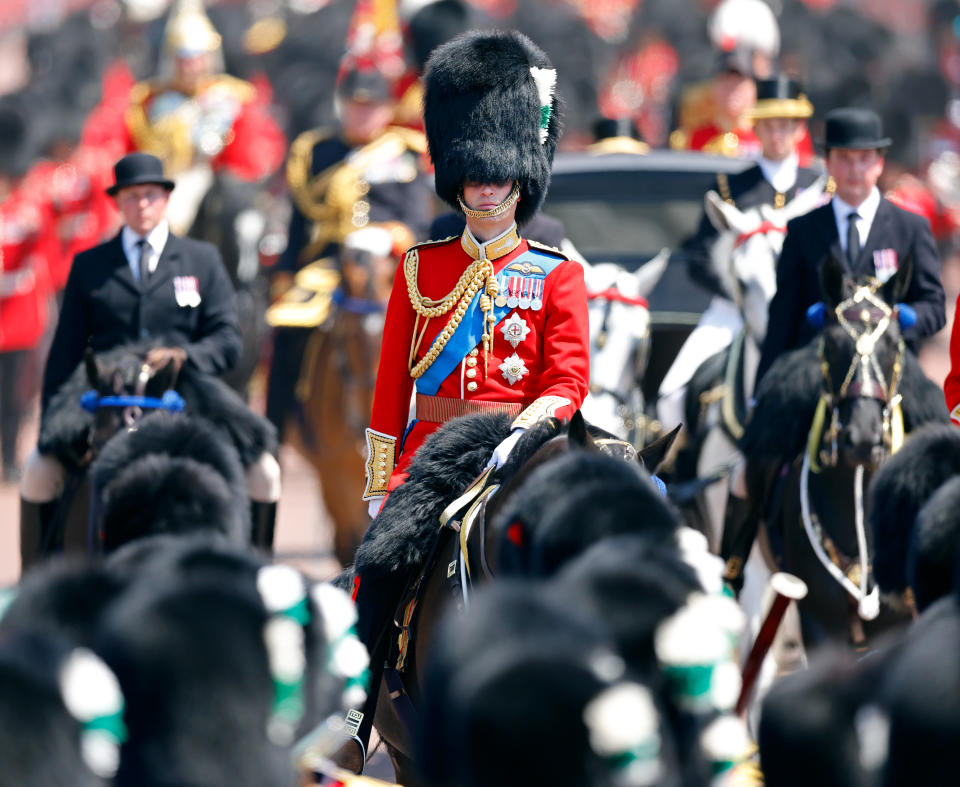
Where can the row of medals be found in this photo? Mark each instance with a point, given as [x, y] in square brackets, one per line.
[522, 293]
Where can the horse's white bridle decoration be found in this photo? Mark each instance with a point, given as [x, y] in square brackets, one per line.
[871, 377]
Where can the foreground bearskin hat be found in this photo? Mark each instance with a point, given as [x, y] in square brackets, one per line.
[486, 95]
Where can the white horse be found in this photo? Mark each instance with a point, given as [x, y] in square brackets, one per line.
[745, 255]
[731, 333]
[619, 344]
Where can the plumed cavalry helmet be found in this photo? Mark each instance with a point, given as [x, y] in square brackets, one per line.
[492, 115]
[189, 30]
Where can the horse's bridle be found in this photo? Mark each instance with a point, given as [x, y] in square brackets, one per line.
[864, 378]
[134, 404]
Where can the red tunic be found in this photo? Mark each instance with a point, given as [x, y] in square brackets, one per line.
[951, 386]
[82, 215]
[554, 352]
[24, 280]
[248, 142]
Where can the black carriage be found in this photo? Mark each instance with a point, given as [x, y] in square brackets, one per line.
[624, 208]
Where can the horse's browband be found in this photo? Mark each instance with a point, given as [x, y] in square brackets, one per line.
[440, 409]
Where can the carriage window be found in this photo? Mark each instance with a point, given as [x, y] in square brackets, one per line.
[598, 228]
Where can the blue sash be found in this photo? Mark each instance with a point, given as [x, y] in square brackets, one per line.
[470, 331]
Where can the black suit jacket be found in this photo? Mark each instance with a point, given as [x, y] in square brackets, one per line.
[104, 306]
[812, 238]
[747, 189]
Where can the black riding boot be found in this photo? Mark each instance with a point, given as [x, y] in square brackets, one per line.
[263, 519]
[37, 536]
[376, 601]
[739, 531]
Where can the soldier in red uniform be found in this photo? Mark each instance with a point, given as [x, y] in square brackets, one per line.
[24, 280]
[194, 117]
[485, 322]
[71, 182]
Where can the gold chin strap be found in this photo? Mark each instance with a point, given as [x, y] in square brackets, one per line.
[492, 213]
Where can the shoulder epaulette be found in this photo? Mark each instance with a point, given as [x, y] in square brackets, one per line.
[548, 249]
[243, 90]
[723, 184]
[424, 243]
[413, 139]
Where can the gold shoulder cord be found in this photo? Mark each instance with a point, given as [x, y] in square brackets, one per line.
[723, 183]
[479, 274]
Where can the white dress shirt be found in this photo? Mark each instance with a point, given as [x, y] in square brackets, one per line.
[782, 175]
[867, 210]
[156, 240]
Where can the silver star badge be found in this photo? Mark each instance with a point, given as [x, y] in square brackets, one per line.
[513, 368]
[515, 329]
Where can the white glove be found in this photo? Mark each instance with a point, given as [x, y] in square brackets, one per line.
[502, 451]
[374, 506]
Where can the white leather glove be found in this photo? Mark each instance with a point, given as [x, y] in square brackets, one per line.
[502, 451]
[374, 506]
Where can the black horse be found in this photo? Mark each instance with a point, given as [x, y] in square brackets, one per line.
[107, 397]
[411, 557]
[827, 416]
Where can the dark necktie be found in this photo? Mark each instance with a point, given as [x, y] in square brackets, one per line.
[853, 240]
[144, 261]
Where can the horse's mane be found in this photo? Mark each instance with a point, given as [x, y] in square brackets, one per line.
[251, 434]
[787, 399]
[400, 538]
[65, 423]
[529, 443]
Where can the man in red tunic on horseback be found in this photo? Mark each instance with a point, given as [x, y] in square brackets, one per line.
[486, 322]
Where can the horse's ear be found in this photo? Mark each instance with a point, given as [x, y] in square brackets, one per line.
[717, 211]
[577, 431]
[93, 368]
[895, 289]
[832, 275]
[652, 455]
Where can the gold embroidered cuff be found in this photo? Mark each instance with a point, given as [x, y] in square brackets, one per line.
[955, 415]
[381, 450]
[544, 407]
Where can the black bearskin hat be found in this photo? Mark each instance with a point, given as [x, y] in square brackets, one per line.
[483, 110]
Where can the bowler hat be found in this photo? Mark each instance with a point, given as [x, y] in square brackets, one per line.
[856, 129]
[136, 169]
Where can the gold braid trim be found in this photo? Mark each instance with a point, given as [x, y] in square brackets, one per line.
[335, 198]
[479, 274]
[381, 455]
[543, 407]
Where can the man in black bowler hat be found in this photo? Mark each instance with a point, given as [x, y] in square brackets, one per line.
[869, 234]
[144, 284]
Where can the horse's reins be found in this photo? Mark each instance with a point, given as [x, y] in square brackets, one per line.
[869, 384]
